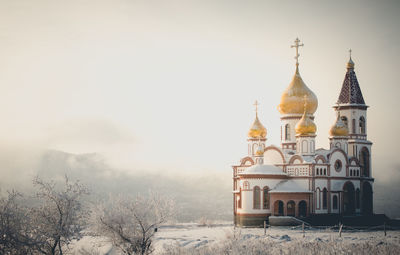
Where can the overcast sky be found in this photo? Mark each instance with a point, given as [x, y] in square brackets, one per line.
[161, 85]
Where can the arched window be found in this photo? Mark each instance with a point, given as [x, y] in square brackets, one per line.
[240, 199]
[358, 198]
[362, 125]
[246, 185]
[364, 161]
[256, 197]
[353, 126]
[344, 119]
[324, 198]
[265, 198]
[304, 146]
[287, 132]
[325, 171]
[255, 147]
[317, 171]
[335, 203]
[318, 198]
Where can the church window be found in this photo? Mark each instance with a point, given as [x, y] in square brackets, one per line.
[317, 171]
[240, 199]
[358, 198]
[338, 165]
[364, 161]
[304, 145]
[265, 198]
[335, 202]
[362, 125]
[246, 185]
[354, 126]
[324, 198]
[325, 171]
[344, 119]
[287, 132]
[318, 198]
[256, 197]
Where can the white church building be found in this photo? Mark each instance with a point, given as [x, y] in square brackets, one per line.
[295, 179]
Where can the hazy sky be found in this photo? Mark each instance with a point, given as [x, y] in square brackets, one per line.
[157, 85]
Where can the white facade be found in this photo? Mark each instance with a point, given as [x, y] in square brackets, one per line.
[296, 179]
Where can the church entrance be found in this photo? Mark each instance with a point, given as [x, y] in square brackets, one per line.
[367, 198]
[348, 198]
[302, 208]
[278, 208]
[291, 208]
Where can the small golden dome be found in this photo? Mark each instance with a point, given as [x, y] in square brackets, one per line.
[339, 128]
[292, 99]
[306, 125]
[257, 130]
[259, 151]
[350, 64]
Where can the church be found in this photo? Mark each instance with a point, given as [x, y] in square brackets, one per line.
[295, 179]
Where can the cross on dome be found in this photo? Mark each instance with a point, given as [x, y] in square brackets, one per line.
[297, 45]
[256, 105]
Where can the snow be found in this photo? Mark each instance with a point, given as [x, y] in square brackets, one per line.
[189, 238]
[290, 186]
[259, 169]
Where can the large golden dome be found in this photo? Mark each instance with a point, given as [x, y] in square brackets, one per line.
[257, 130]
[305, 126]
[339, 128]
[292, 99]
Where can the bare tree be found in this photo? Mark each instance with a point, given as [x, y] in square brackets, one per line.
[130, 224]
[15, 232]
[59, 217]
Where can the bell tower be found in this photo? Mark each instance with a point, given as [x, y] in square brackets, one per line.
[352, 110]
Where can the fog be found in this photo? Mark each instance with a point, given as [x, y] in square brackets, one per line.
[128, 95]
[197, 193]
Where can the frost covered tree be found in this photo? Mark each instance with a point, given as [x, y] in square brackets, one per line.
[16, 236]
[59, 217]
[130, 224]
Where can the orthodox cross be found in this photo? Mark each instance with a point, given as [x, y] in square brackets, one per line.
[256, 105]
[350, 53]
[297, 45]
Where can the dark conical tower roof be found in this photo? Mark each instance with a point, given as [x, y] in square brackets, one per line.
[351, 92]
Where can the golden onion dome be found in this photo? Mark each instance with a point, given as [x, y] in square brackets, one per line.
[339, 128]
[350, 64]
[305, 126]
[292, 99]
[257, 130]
[260, 150]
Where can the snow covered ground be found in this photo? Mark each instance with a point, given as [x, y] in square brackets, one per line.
[191, 238]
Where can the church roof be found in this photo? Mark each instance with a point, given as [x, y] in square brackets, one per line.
[351, 92]
[259, 169]
[289, 186]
